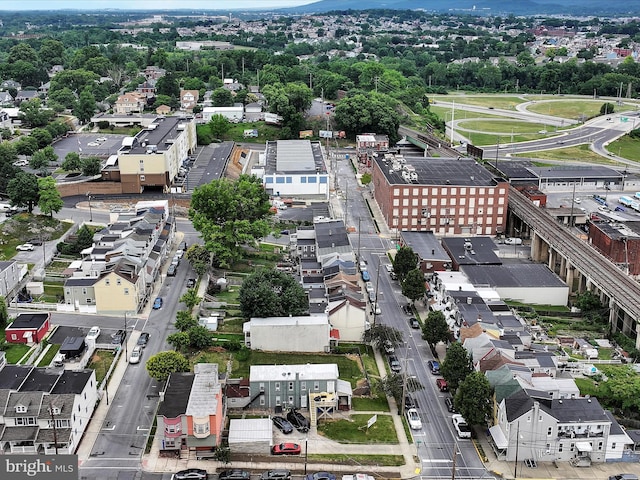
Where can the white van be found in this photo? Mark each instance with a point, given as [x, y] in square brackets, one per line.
[513, 241]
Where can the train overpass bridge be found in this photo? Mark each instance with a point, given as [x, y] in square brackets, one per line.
[578, 263]
[428, 142]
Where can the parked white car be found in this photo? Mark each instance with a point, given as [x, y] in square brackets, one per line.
[414, 419]
[25, 247]
[94, 333]
[93, 144]
[460, 424]
[136, 354]
[20, 163]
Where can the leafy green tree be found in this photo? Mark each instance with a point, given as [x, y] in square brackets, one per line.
[32, 113]
[72, 162]
[222, 97]
[199, 337]
[42, 158]
[185, 321]
[91, 166]
[271, 293]
[179, 340]
[84, 238]
[42, 136]
[163, 364]
[607, 108]
[199, 258]
[456, 366]
[404, 261]
[190, 298]
[370, 112]
[413, 285]
[379, 333]
[26, 145]
[23, 190]
[50, 200]
[4, 313]
[64, 97]
[392, 385]
[86, 106]
[474, 399]
[229, 215]
[219, 126]
[435, 328]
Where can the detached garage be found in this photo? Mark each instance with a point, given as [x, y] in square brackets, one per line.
[251, 436]
[72, 347]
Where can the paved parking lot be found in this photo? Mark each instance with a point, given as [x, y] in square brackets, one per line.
[79, 143]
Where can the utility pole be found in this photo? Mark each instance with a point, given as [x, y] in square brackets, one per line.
[453, 114]
[453, 466]
[359, 238]
[126, 354]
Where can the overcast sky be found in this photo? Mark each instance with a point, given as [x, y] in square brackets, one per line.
[147, 4]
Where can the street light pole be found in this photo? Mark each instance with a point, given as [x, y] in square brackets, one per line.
[515, 466]
[305, 456]
[126, 354]
[90, 212]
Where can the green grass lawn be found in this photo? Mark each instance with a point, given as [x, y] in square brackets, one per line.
[23, 227]
[231, 325]
[355, 430]
[567, 108]
[348, 368]
[373, 404]
[581, 153]
[100, 362]
[626, 147]
[496, 101]
[15, 351]
[48, 358]
[221, 358]
[351, 459]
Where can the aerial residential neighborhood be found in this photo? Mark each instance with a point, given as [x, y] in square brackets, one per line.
[295, 242]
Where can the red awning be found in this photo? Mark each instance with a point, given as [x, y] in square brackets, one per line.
[334, 334]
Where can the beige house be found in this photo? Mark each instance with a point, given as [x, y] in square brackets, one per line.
[154, 156]
[188, 99]
[163, 110]
[131, 102]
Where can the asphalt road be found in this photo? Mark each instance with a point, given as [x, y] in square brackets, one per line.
[436, 441]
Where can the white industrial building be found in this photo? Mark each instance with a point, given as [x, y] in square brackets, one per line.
[250, 435]
[294, 168]
[288, 334]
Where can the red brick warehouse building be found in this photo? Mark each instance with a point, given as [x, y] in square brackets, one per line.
[447, 196]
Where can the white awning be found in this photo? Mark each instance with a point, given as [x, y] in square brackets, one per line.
[584, 447]
[498, 437]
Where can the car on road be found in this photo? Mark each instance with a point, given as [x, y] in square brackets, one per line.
[441, 383]
[512, 241]
[414, 323]
[413, 417]
[234, 474]
[376, 309]
[434, 367]
[143, 339]
[171, 271]
[276, 474]
[604, 208]
[136, 354]
[25, 247]
[93, 144]
[191, 283]
[282, 424]
[179, 253]
[461, 426]
[365, 276]
[94, 333]
[190, 474]
[157, 304]
[394, 364]
[409, 401]
[388, 347]
[321, 476]
[286, 449]
[407, 309]
[101, 139]
[298, 420]
[370, 287]
[448, 401]
[35, 241]
[389, 267]
[118, 337]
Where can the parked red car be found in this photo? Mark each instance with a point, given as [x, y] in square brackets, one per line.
[286, 449]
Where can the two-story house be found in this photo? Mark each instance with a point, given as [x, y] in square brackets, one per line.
[188, 99]
[44, 411]
[192, 411]
[10, 275]
[130, 102]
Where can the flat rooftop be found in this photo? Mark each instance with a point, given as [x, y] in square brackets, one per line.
[167, 129]
[464, 172]
[294, 156]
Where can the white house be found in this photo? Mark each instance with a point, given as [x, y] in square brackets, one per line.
[288, 334]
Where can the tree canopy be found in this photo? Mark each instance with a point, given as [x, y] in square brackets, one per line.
[230, 215]
[163, 364]
[404, 261]
[435, 328]
[413, 285]
[456, 366]
[50, 200]
[474, 399]
[272, 293]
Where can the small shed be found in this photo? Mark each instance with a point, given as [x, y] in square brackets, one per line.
[250, 436]
[72, 347]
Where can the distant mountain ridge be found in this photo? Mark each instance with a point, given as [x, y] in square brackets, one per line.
[494, 7]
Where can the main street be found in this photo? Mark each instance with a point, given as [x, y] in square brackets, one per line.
[436, 443]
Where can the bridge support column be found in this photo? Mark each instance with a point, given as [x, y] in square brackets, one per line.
[552, 260]
[569, 276]
[563, 268]
[539, 250]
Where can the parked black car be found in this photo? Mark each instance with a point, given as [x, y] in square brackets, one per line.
[414, 323]
[118, 337]
[143, 339]
[282, 424]
[298, 420]
[407, 309]
[410, 402]
[448, 401]
[321, 476]
[191, 283]
[235, 474]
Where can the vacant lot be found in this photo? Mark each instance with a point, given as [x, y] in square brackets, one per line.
[354, 430]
